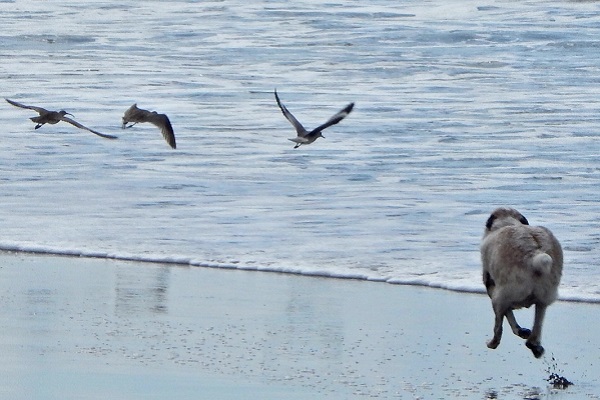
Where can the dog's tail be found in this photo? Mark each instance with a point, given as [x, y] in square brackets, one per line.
[542, 263]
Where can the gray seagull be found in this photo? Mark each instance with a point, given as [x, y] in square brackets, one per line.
[54, 117]
[135, 115]
[304, 136]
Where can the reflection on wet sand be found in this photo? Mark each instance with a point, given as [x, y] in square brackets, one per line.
[137, 293]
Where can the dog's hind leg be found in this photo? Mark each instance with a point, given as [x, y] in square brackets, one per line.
[523, 333]
[495, 341]
[533, 342]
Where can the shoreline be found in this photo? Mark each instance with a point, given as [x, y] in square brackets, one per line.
[185, 262]
[99, 328]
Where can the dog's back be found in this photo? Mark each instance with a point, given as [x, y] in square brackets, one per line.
[525, 261]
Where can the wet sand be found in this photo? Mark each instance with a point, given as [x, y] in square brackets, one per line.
[75, 328]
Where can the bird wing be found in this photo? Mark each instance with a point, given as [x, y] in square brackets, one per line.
[39, 110]
[78, 125]
[163, 122]
[288, 115]
[335, 119]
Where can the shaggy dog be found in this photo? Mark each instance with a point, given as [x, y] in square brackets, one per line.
[522, 266]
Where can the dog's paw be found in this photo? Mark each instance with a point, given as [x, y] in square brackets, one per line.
[536, 349]
[492, 344]
[524, 333]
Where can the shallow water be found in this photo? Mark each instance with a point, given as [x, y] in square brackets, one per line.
[461, 106]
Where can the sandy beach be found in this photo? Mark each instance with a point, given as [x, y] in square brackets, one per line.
[77, 328]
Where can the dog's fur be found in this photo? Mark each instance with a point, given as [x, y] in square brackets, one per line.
[522, 266]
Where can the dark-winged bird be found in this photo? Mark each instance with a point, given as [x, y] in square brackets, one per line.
[54, 117]
[135, 115]
[304, 136]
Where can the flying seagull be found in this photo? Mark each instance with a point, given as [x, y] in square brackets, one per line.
[304, 136]
[135, 115]
[54, 117]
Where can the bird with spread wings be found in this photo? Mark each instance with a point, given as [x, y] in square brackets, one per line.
[135, 115]
[307, 137]
[54, 117]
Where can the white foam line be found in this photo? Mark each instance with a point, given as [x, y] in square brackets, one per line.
[186, 261]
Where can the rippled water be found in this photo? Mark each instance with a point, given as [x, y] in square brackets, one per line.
[461, 106]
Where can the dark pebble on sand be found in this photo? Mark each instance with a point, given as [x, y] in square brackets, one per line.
[559, 382]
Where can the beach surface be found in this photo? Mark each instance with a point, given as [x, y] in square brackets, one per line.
[85, 328]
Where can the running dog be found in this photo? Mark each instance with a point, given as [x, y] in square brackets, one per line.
[522, 266]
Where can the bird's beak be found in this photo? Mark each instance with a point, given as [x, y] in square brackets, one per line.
[124, 124]
[70, 114]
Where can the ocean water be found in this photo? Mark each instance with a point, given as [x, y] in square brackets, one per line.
[461, 106]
